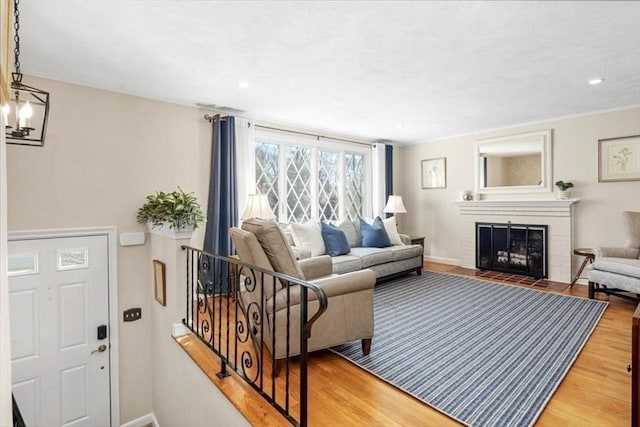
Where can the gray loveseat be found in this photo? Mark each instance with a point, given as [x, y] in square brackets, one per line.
[384, 262]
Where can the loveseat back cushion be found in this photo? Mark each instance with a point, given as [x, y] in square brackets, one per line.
[335, 241]
[374, 235]
[250, 251]
[275, 246]
[632, 225]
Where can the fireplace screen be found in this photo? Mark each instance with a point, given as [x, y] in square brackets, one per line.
[512, 248]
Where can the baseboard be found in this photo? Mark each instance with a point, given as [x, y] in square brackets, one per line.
[441, 260]
[143, 421]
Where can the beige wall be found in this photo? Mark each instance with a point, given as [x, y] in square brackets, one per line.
[182, 394]
[575, 159]
[104, 152]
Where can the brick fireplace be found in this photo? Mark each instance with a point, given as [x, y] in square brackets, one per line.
[557, 215]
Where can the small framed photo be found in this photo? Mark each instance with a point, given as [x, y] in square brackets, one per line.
[434, 173]
[159, 282]
[619, 159]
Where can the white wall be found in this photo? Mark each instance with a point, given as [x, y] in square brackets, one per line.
[104, 152]
[575, 159]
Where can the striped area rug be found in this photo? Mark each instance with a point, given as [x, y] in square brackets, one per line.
[483, 353]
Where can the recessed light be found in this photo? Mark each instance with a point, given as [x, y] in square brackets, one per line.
[595, 81]
[243, 85]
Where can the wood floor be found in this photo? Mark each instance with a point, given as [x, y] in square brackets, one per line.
[595, 392]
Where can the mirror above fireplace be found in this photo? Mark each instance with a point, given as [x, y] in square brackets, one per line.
[514, 164]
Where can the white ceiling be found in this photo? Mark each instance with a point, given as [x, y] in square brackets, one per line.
[401, 71]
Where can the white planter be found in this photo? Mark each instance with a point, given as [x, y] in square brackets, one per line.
[172, 233]
[563, 195]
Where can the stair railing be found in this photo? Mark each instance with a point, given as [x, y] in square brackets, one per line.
[250, 318]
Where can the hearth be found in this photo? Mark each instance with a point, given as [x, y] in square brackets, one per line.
[512, 248]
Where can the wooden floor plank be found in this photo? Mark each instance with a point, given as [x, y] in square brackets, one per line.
[596, 391]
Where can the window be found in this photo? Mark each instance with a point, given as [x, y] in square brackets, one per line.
[304, 181]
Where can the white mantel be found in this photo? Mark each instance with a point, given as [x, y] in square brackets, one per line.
[557, 215]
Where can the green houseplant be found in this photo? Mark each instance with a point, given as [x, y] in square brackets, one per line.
[564, 187]
[178, 210]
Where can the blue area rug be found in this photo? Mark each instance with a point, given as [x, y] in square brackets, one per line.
[483, 353]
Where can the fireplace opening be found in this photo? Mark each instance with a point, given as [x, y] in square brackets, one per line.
[512, 248]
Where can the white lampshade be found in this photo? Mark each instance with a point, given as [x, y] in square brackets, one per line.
[395, 205]
[258, 207]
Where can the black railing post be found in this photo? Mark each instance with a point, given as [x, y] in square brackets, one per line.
[304, 356]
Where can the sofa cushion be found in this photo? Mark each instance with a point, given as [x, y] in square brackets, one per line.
[625, 266]
[275, 246]
[335, 241]
[405, 251]
[374, 235]
[353, 236]
[308, 236]
[346, 263]
[392, 230]
[250, 251]
[373, 256]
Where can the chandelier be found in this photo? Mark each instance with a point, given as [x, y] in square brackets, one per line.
[26, 113]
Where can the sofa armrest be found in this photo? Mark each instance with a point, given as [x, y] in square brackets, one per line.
[347, 283]
[300, 253]
[405, 239]
[611, 252]
[342, 284]
[316, 267]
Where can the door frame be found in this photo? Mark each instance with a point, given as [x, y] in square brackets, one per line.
[112, 285]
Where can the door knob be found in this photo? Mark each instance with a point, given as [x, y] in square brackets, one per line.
[100, 349]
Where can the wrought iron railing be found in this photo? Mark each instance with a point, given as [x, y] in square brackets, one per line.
[250, 318]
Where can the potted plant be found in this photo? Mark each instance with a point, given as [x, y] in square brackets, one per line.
[564, 187]
[175, 213]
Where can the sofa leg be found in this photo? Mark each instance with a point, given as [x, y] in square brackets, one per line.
[277, 367]
[419, 271]
[366, 346]
[591, 290]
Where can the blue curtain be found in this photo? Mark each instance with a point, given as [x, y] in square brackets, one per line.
[222, 212]
[388, 173]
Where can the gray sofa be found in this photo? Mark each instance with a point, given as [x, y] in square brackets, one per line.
[384, 262]
[616, 270]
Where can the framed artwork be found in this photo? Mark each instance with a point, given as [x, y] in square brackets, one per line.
[434, 173]
[619, 159]
[159, 282]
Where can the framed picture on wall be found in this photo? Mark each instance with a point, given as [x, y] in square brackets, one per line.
[619, 159]
[434, 173]
[159, 282]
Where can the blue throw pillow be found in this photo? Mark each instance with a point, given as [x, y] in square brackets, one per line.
[335, 241]
[374, 235]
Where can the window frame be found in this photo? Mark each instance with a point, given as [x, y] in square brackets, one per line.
[286, 139]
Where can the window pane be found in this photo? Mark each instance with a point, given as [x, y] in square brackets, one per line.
[267, 173]
[19, 264]
[298, 184]
[328, 196]
[354, 185]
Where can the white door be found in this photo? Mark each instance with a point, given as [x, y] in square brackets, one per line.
[59, 297]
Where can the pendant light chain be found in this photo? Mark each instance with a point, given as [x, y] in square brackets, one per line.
[16, 37]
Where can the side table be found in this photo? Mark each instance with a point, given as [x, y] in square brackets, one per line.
[589, 257]
[417, 240]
